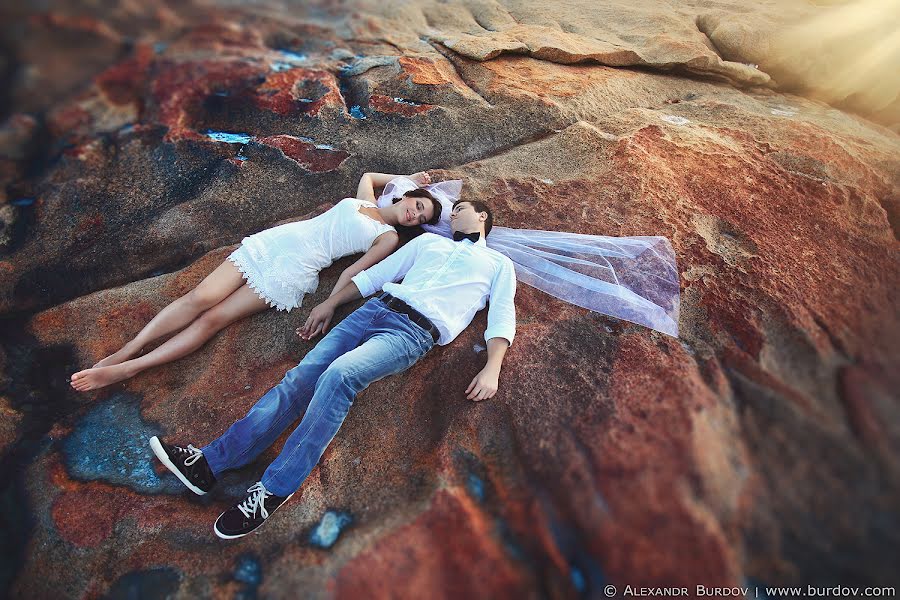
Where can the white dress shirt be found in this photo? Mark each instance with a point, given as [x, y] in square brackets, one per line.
[448, 282]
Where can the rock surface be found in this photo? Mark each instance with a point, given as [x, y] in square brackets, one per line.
[142, 143]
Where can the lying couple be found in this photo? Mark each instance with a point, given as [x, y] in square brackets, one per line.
[445, 282]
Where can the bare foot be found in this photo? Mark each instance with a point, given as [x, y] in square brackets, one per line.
[91, 379]
[116, 357]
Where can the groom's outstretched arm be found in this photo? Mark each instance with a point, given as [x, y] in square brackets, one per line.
[500, 332]
[487, 381]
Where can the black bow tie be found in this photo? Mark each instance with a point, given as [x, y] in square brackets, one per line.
[459, 236]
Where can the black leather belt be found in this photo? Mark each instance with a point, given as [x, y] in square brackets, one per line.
[398, 305]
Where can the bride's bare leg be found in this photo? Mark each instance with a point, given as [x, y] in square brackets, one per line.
[214, 288]
[239, 304]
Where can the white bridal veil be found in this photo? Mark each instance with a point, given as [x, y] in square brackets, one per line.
[631, 278]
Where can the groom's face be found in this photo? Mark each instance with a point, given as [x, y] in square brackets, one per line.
[464, 218]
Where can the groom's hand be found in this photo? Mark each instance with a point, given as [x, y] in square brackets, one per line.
[318, 321]
[484, 385]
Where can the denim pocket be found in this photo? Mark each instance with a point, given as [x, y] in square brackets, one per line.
[422, 336]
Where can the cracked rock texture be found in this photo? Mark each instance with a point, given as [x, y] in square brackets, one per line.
[763, 446]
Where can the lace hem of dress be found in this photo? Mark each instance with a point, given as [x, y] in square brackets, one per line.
[250, 277]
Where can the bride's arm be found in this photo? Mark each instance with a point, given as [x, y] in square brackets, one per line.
[384, 244]
[369, 181]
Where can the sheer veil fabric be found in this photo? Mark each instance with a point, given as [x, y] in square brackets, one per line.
[631, 278]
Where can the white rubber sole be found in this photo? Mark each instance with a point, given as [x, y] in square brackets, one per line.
[234, 537]
[164, 459]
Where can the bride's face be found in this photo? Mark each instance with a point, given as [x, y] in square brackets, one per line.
[413, 211]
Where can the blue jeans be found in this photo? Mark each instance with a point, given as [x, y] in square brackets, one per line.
[370, 344]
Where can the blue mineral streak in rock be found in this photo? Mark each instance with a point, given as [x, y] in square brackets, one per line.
[356, 112]
[577, 578]
[295, 56]
[248, 570]
[22, 202]
[111, 443]
[225, 136]
[475, 486]
[329, 528]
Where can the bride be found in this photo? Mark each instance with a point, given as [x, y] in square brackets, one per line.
[273, 268]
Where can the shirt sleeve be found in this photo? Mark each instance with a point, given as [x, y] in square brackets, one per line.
[390, 269]
[502, 308]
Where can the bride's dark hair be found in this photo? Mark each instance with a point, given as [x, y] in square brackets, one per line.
[420, 193]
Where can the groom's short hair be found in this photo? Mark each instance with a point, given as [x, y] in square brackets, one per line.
[421, 193]
[480, 206]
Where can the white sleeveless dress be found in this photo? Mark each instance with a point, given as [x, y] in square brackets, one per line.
[282, 264]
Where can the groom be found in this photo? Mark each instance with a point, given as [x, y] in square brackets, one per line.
[445, 282]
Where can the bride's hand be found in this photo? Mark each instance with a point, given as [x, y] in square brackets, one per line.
[421, 178]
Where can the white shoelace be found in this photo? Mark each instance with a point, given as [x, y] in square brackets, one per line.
[256, 500]
[194, 457]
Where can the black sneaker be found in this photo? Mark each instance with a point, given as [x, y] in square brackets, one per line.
[250, 513]
[188, 464]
